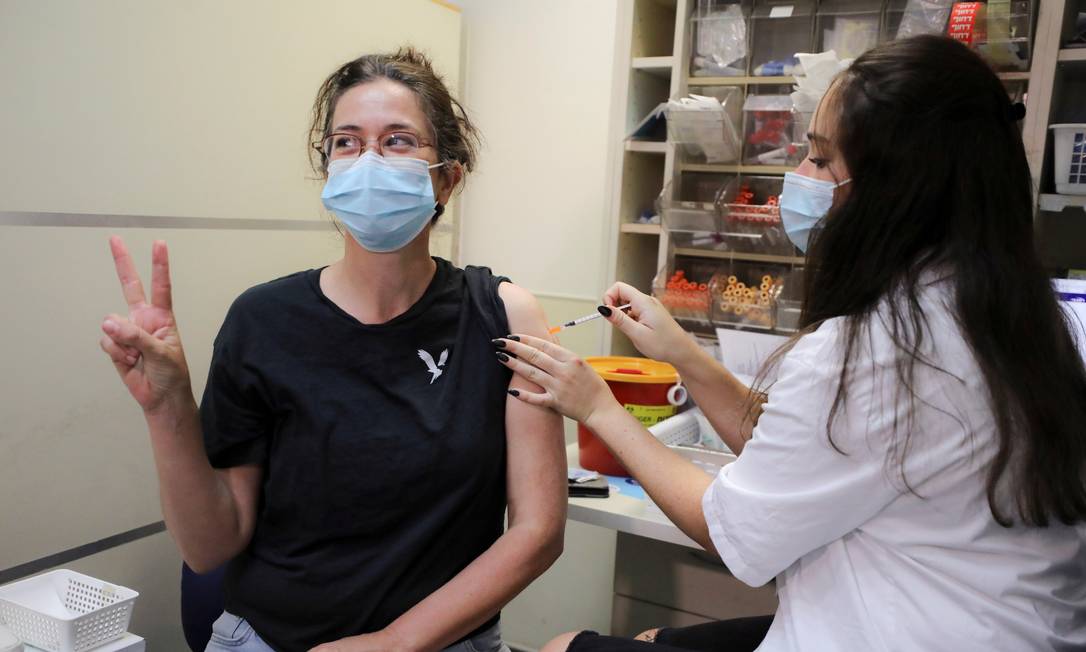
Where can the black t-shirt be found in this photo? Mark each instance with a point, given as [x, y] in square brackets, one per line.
[383, 449]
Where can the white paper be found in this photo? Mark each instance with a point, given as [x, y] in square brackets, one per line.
[782, 11]
[744, 352]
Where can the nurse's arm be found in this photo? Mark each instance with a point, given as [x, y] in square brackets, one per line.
[729, 405]
[536, 489]
[672, 481]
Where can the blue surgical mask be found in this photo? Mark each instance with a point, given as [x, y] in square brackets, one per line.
[384, 202]
[804, 202]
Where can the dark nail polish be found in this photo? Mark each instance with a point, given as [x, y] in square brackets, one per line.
[503, 357]
[513, 392]
[605, 311]
[498, 343]
[515, 338]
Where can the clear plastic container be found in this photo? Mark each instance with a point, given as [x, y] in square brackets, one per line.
[905, 18]
[683, 287]
[848, 27]
[707, 134]
[778, 30]
[746, 294]
[769, 135]
[720, 44]
[788, 314]
[751, 219]
[1007, 35]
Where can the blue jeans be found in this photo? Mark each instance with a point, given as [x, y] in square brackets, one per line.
[232, 633]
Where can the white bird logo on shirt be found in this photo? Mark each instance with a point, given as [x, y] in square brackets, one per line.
[434, 369]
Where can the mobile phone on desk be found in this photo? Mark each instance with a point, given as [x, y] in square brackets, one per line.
[587, 484]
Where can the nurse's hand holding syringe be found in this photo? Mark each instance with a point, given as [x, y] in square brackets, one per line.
[574, 389]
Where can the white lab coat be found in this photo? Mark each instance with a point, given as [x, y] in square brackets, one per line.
[862, 563]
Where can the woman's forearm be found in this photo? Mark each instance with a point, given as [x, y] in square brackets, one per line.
[199, 509]
[674, 483]
[479, 591]
[722, 397]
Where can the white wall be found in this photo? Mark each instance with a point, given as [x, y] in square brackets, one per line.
[538, 79]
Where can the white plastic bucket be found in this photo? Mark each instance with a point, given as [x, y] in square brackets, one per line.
[1070, 158]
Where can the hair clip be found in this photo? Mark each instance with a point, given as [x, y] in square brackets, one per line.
[1016, 112]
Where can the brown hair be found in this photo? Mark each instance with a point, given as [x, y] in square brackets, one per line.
[455, 137]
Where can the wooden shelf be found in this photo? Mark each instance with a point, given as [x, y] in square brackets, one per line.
[657, 66]
[1056, 203]
[641, 229]
[736, 169]
[1072, 55]
[646, 146]
[733, 255]
[738, 81]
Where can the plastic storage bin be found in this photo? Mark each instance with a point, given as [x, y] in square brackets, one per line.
[720, 46]
[690, 223]
[65, 611]
[684, 288]
[751, 219]
[778, 30]
[1008, 25]
[707, 130]
[746, 294]
[905, 18]
[848, 27]
[1070, 147]
[769, 136]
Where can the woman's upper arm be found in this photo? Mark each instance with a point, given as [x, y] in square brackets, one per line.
[536, 464]
[243, 483]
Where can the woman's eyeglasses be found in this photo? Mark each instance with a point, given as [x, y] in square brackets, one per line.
[341, 145]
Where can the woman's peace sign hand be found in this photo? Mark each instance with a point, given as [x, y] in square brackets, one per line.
[145, 347]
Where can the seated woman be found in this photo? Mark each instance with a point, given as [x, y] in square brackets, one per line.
[356, 449]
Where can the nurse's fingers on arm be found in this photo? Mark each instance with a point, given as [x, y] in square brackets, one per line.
[552, 349]
[533, 398]
[530, 355]
[131, 286]
[526, 371]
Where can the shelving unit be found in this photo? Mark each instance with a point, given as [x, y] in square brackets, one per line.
[1072, 55]
[1061, 219]
[653, 65]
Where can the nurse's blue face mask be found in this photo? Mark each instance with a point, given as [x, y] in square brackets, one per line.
[804, 203]
[385, 203]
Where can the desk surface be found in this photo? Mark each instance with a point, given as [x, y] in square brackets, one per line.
[627, 509]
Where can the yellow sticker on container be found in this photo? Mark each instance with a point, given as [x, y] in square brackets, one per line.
[650, 415]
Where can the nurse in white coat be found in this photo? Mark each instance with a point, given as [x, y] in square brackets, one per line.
[912, 465]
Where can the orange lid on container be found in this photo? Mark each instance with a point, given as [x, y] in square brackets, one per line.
[633, 370]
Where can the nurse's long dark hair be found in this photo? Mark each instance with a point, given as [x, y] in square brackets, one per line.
[940, 179]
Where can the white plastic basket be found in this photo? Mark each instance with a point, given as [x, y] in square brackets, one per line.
[65, 611]
[1070, 158]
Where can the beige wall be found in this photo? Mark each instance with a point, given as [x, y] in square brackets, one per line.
[149, 108]
[537, 79]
